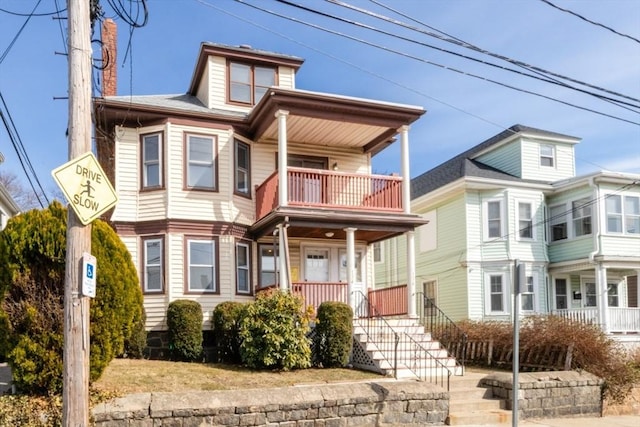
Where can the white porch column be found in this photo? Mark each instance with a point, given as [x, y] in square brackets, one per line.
[283, 190]
[603, 297]
[411, 274]
[283, 269]
[351, 267]
[406, 175]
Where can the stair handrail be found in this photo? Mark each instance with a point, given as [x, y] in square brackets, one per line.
[440, 325]
[442, 367]
[371, 309]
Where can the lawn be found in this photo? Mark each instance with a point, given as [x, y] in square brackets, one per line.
[125, 376]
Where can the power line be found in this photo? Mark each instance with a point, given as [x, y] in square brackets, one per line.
[429, 62]
[590, 21]
[57, 12]
[6, 52]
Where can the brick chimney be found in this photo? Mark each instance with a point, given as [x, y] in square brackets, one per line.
[109, 58]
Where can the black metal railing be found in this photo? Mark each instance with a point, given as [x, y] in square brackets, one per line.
[428, 369]
[443, 329]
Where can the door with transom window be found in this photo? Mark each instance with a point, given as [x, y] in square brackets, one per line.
[306, 187]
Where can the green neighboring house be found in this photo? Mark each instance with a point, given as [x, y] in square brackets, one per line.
[514, 197]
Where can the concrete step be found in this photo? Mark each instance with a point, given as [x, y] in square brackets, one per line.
[476, 418]
[463, 405]
[456, 394]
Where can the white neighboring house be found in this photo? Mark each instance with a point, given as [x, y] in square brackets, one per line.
[8, 207]
[514, 197]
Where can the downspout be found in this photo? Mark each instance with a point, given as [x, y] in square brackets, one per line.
[596, 224]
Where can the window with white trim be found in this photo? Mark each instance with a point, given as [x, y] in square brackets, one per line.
[525, 220]
[612, 295]
[623, 214]
[493, 223]
[248, 83]
[547, 155]
[581, 210]
[243, 270]
[243, 168]
[377, 252]
[590, 296]
[152, 160]
[496, 293]
[152, 268]
[268, 265]
[201, 265]
[561, 292]
[558, 223]
[527, 296]
[201, 167]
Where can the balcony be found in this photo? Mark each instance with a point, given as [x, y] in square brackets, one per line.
[317, 188]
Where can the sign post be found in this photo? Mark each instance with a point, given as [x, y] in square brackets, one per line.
[519, 281]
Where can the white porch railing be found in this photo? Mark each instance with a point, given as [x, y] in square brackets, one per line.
[621, 320]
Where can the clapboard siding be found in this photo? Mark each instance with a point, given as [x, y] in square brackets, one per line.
[563, 168]
[126, 174]
[204, 87]
[498, 248]
[527, 249]
[505, 158]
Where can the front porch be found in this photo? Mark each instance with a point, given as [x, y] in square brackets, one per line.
[620, 320]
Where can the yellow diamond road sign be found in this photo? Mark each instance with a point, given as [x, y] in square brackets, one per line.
[86, 187]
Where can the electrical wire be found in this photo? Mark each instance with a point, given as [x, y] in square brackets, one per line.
[590, 21]
[315, 26]
[6, 52]
[57, 12]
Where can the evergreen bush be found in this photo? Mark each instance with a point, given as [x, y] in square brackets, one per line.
[274, 331]
[33, 246]
[184, 320]
[226, 329]
[334, 333]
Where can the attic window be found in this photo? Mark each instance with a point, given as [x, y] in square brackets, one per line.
[248, 83]
[547, 155]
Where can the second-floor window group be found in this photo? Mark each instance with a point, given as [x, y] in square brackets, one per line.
[248, 83]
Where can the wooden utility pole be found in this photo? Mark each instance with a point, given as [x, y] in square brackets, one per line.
[75, 392]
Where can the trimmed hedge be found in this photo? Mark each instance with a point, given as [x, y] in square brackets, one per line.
[226, 329]
[334, 334]
[184, 320]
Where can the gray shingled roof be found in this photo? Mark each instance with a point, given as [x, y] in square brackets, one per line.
[184, 102]
[464, 165]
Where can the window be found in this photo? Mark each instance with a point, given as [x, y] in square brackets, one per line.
[497, 293]
[612, 295]
[561, 294]
[525, 220]
[243, 168]
[243, 270]
[377, 252]
[268, 263]
[494, 219]
[547, 155]
[249, 83]
[581, 217]
[558, 223]
[623, 214]
[527, 296]
[152, 269]
[590, 295]
[201, 168]
[202, 268]
[152, 160]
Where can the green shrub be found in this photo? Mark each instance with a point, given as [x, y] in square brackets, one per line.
[274, 332]
[32, 298]
[136, 344]
[334, 333]
[226, 329]
[184, 320]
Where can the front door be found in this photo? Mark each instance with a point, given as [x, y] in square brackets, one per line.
[306, 187]
[316, 268]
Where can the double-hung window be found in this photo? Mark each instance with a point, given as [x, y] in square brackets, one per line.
[377, 252]
[612, 295]
[201, 164]
[152, 268]
[248, 83]
[581, 217]
[268, 265]
[547, 155]
[496, 293]
[243, 269]
[525, 220]
[528, 295]
[152, 160]
[623, 214]
[494, 219]
[202, 274]
[558, 223]
[243, 168]
[561, 294]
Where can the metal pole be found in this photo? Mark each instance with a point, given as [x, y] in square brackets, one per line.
[517, 270]
[75, 391]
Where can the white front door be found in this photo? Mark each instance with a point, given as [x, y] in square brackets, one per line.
[358, 284]
[316, 268]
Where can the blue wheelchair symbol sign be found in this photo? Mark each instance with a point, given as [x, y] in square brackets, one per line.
[89, 271]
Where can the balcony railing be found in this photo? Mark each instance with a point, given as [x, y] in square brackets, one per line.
[315, 294]
[323, 188]
[621, 319]
[389, 301]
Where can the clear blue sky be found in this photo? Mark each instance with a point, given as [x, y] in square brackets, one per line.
[461, 111]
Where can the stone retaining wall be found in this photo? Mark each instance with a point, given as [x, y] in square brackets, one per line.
[380, 403]
[550, 394]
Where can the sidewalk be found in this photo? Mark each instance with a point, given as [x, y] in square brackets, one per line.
[609, 421]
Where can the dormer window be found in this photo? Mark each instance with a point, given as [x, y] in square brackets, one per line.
[547, 155]
[248, 83]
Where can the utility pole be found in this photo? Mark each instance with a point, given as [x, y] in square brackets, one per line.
[75, 392]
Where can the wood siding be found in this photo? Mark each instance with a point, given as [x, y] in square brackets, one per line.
[507, 158]
[563, 168]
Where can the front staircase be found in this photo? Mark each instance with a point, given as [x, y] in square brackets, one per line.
[401, 348]
[473, 405]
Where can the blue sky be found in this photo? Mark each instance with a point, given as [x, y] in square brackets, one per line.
[461, 111]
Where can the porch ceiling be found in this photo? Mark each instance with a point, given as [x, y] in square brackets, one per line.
[329, 120]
